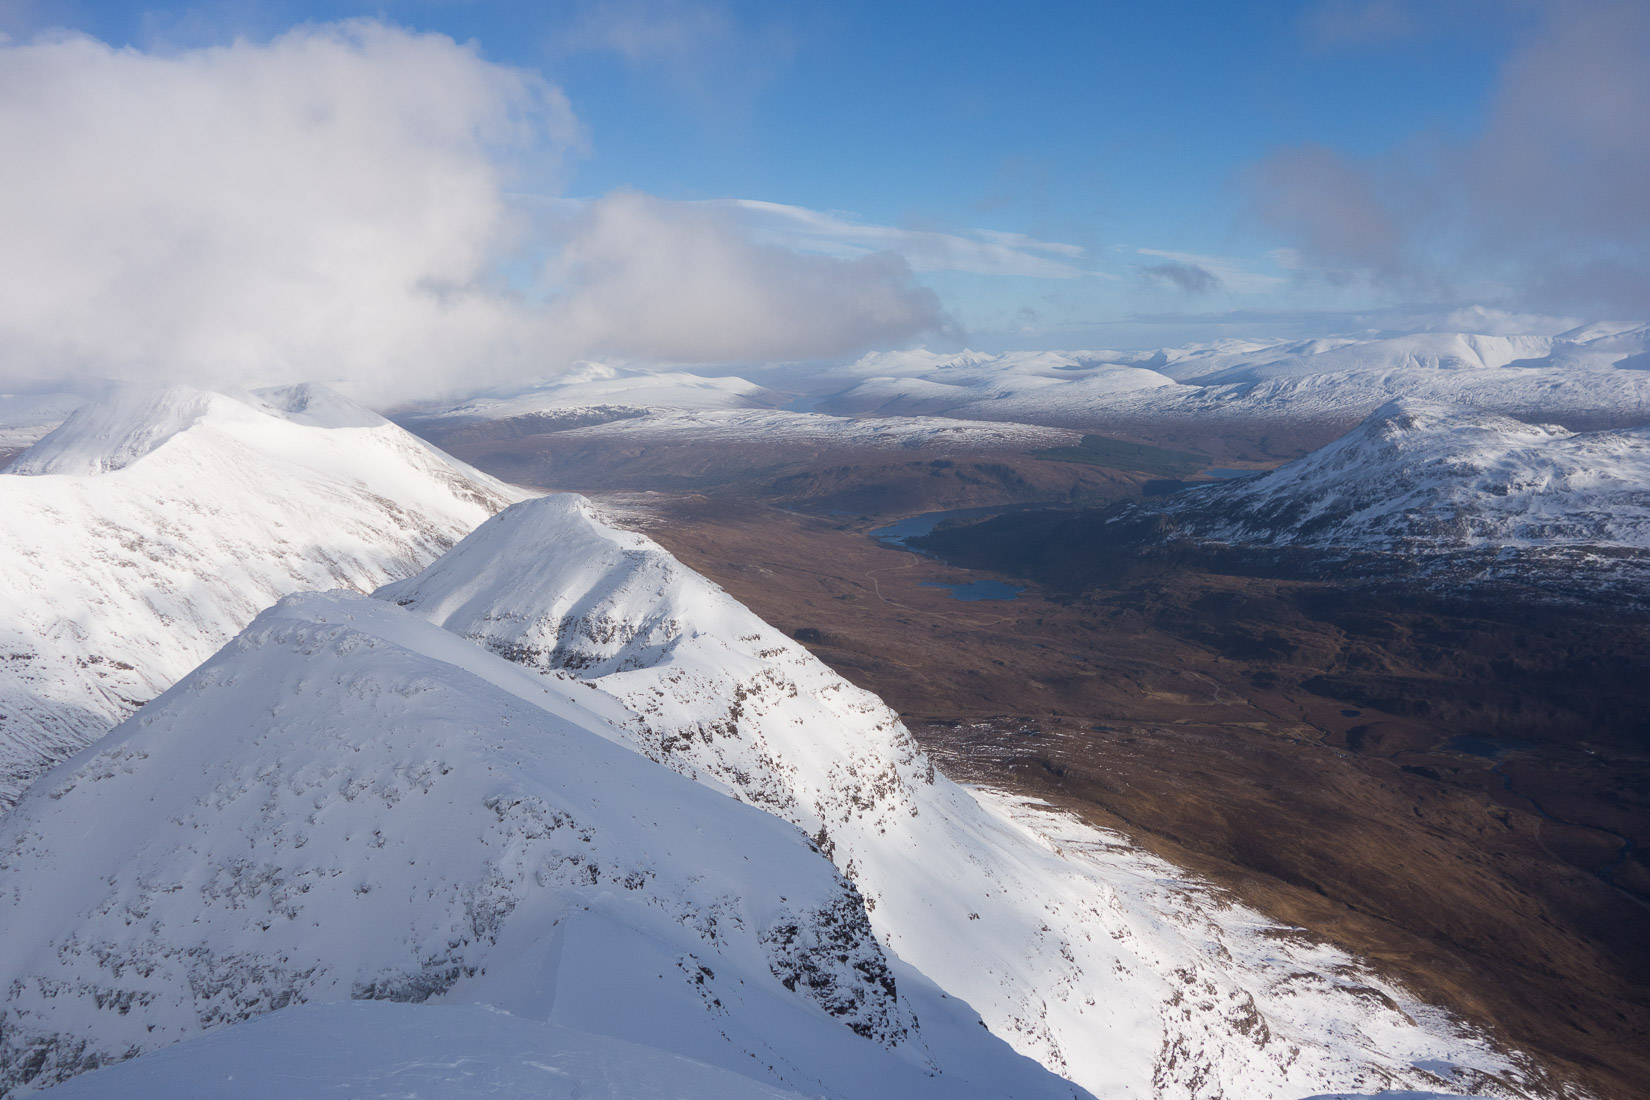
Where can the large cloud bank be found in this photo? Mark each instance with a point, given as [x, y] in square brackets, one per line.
[1547, 207]
[337, 204]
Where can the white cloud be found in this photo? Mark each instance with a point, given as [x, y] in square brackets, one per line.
[336, 204]
[328, 204]
[1547, 208]
[981, 252]
[680, 281]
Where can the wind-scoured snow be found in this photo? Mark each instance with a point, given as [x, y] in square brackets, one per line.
[154, 524]
[1102, 963]
[348, 803]
[1457, 495]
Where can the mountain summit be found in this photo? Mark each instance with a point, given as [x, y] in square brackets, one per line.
[152, 525]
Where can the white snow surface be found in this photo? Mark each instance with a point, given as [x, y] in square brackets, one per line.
[1451, 492]
[377, 1050]
[1101, 962]
[154, 524]
[348, 803]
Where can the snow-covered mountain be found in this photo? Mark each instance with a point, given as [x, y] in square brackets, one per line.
[154, 524]
[348, 803]
[1453, 495]
[588, 393]
[1099, 961]
[1592, 375]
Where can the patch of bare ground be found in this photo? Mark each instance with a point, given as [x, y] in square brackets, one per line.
[860, 480]
[1460, 795]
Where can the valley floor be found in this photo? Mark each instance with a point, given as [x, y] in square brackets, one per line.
[1236, 727]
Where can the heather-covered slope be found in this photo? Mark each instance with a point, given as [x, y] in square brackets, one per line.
[154, 524]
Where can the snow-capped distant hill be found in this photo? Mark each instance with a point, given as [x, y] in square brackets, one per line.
[1101, 962]
[349, 803]
[1597, 376]
[1592, 376]
[154, 524]
[590, 393]
[820, 430]
[1452, 495]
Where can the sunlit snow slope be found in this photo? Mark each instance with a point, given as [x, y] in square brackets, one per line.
[1084, 953]
[347, 802]
[154, 524]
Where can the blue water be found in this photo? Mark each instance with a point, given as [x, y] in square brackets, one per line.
[896, 533]
[1226, 473]
[1490, 748]
[977, 590]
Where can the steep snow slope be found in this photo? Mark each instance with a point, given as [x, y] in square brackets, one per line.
[1454, 494]
[153, 524]
[349, 803]
[1085, 954]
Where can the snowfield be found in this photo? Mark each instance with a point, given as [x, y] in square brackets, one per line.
[154, 524]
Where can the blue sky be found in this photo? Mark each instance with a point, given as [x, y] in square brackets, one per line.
[1190, 169]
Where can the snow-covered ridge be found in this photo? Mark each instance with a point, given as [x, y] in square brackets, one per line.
[1452, 493]
[153, 524]
[349, 803]
[1099, 961]
[1597, 374]
[1593, 376]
